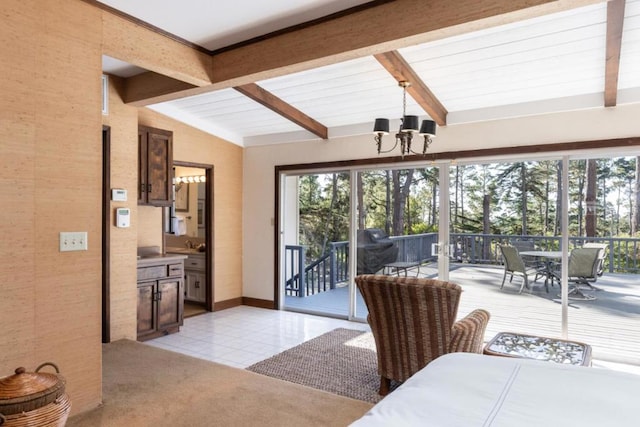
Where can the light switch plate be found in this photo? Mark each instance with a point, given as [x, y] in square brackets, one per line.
[73, 241]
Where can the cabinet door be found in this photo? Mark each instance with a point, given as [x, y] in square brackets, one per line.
[170, 303]
[159, 168]
[146, 309]
[155, 166]
[142, 166]
[195, 286]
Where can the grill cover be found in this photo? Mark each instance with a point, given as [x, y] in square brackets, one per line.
[375, 249]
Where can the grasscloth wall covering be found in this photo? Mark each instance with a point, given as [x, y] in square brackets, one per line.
[50, 181]
[189, 145]
[192, 145]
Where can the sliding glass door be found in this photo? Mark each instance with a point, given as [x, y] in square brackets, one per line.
[449, 220]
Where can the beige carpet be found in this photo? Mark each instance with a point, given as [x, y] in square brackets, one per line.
[147, 386]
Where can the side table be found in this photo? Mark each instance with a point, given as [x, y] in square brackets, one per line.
[510, 344]
[401, 265]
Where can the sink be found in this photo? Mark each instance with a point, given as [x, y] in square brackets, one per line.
[180, 250]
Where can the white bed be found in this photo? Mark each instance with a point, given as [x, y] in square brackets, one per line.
[466, 390]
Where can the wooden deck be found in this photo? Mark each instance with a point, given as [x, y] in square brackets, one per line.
[610, 324]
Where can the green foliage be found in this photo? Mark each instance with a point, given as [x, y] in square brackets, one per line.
[324, 211]
[522, 198]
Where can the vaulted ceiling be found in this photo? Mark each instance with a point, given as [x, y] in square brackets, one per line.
[307, 70]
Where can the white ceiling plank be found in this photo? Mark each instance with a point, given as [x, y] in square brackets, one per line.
[547, 64]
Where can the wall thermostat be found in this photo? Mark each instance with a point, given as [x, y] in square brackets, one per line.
[123, 217]
[119, 194]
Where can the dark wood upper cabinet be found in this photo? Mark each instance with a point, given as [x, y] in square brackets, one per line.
[155, 166]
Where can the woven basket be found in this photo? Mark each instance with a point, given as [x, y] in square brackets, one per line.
[33, 399]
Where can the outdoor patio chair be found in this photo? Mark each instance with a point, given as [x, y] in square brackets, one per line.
[515, 266]
[583, 270]
[602, 255]
[413, 322]
[531, 262]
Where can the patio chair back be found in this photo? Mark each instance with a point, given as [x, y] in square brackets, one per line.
[601, 255]
[583, 264]
[515, 265]
[523, 245]
[512, 260]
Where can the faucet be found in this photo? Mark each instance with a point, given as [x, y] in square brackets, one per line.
[189, 244]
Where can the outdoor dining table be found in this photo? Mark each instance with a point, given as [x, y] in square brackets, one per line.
[548, 258]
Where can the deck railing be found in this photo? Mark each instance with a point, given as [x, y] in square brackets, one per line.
[321, 275]
[332, 269]
[623, 255]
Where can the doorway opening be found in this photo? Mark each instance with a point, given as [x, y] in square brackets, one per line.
[188, 230]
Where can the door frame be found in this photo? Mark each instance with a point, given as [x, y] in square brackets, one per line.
[209, 230]
[106, 227]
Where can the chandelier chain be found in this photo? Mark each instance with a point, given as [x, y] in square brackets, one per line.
[404, 101]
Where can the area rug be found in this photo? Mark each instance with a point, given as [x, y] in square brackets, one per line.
[342, 361]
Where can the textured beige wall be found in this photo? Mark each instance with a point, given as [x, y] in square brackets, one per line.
[50, 181]
[260, 162]
[192, 145]
[189, 145]
[123, 123]
[50, 178]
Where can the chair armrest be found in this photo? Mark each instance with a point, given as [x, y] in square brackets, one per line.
[468, 333]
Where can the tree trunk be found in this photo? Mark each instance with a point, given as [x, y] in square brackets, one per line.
[635, 218]
[486, 225]
[434, 203]
[387, 202]
[454, 223]
[400, 194]
[523, 178]
[556, 225]
[590, 198]
[362, 214]
[581, 205]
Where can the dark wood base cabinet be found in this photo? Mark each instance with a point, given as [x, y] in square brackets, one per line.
[160, 300]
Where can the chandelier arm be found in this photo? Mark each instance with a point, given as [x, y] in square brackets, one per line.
[425, 146]
[389, 150]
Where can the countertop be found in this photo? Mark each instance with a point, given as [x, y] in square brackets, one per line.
[168, 258]
[184, 251]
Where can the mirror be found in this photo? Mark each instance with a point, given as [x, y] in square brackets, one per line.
[186, 217]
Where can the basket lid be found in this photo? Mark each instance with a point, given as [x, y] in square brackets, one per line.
[25, 391]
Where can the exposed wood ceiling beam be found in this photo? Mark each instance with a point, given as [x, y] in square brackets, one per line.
[356, 35]
[615, 20]
[137, 45]
[396, 65]
[158, 81]
[276, 104]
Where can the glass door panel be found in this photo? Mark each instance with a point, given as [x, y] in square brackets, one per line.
[316, 238]
[604, 298]
[511, 204]
[397, 217]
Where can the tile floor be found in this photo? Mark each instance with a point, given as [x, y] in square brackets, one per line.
[242, 336]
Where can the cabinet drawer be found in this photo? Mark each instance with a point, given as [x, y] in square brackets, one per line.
[175, 270]
[194, 263]
[153, 272]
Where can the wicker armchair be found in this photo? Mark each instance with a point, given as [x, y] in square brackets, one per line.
[413, 322]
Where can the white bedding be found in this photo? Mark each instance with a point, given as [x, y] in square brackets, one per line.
[466, 390]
